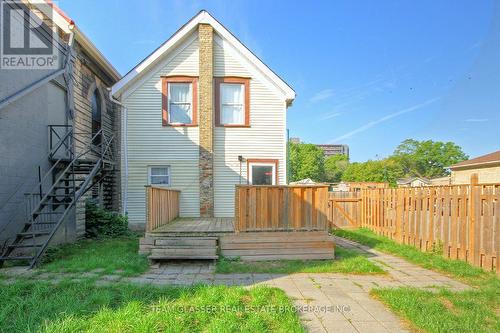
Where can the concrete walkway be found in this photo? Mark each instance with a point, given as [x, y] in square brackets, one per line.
[326, 302]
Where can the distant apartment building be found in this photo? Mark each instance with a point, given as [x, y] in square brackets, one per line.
[328, 149]
[331, 150]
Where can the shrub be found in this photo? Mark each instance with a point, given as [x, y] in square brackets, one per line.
[103, 223]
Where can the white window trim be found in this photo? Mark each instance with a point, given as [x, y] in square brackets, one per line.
[232, 104]
[169, 102]
[250, 171]
[169, 174]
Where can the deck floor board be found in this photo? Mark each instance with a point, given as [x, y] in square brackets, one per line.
[197, 225]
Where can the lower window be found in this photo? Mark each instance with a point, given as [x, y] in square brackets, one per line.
[159, 175]
[262, 172]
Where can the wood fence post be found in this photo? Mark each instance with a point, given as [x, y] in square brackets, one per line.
[474, 202]
[399, 214]
[149, 206]
[432, 208]
[363, 208]
[236, 221]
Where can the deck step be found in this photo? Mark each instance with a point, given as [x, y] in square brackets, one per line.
[17, 258]
[34, 233]
[192, 251]
[186, 242]
[182, 257]
[173, 248]
[16, 246]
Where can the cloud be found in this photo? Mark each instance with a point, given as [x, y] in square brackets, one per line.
[330, 115]
[383, 119]
[322, 95]
[476, 120]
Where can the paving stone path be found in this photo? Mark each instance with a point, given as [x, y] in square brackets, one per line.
[327, 302]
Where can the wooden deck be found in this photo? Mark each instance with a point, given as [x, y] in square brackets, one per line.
[186, 238]
[203, 238]
[197, 226]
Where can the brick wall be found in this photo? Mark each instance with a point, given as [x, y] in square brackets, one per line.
[87, 77]
[206, 123]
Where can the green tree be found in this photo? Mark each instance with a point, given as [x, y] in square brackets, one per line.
[387, 170]
[335, 166]
[306, 161]
[427, 158]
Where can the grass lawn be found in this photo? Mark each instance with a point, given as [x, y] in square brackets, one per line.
[434, 261]
[477, 310]
[112, 256]
[346, 261]
[29, 306]
[445, 311]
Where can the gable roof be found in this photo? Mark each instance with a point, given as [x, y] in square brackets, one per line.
[409, 180]
[483, 160]
[202, 17]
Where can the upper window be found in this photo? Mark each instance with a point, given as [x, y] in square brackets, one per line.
[159, 175]
[232, 104]
[96, 105]
[179, 101]
[232, 99]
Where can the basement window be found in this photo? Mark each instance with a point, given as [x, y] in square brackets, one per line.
[262, 172]
[159, 175]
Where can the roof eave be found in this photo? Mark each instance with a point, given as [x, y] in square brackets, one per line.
[468, 166]
[96, 54]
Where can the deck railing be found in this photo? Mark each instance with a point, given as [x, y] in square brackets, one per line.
[162, 206]
[281, 208]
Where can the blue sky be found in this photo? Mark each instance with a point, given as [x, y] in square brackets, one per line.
[367, 73]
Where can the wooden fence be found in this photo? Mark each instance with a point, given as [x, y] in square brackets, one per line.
[281, 208]
[463, 219]
[344, 209]
[162, 206]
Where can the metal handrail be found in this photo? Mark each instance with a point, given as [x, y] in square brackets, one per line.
[76, 195]
[61, 140]
[20, 186]
[49, 172]
[63, 174]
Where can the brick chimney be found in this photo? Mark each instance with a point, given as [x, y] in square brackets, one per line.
[206, 121]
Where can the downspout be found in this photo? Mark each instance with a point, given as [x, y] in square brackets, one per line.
[125, 152]
[68, 74]
[287, 156]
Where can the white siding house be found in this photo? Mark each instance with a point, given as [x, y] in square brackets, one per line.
[153, 146]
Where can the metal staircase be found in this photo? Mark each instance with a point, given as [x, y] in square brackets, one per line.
[78, 162]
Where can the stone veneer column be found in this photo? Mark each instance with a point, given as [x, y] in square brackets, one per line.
[206, 122]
